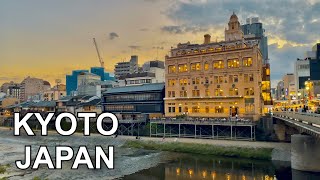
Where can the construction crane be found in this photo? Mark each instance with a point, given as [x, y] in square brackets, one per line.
[100, 58]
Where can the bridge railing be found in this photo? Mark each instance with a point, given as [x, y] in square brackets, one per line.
[310, 118]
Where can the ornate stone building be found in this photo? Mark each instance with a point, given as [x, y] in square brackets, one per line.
[218, 79]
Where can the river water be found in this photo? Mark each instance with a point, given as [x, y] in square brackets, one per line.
[134, 163]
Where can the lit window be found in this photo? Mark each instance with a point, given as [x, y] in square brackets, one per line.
[206, 66]
[249, 91]
[183, 82]
[218, 64]
[233, 92]
[195, 67]
[233, 63]
[183, 68]
[183, 93]
[247, 61]
[218, 92]
[172, 82]
[207, 92]
[195, 109]
[196, 80]
[233, 79]
[218, 109]
[172, 69]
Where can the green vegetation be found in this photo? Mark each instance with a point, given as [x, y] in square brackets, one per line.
[204, 149]
[3, 168]
[36, 178]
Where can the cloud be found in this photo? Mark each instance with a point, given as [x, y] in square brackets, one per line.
[113, 35]
[291, 26]
[183, 29]
[134, 47]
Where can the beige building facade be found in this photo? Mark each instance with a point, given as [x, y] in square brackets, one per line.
[217, 79]
[32, 86]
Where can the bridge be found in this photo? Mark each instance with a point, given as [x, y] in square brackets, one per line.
[304, 129]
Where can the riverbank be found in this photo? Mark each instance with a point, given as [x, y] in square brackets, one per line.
[203, 149]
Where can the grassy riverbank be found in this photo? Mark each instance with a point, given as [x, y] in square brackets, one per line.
[204, 149]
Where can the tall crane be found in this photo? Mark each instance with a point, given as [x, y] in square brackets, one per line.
[100, 58]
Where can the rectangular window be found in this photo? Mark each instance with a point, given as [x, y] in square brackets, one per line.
[233, 92]
[172, 82]
[218, 109]
[196, 80]
[183, 93]
[251, 77]
[183, 68]
[218, 92]
[195, 109]
[206, 66]
[207, 92]
[183, 82]
[218, 64]
[233, 79]
[247, 61]
[195, 93]
[195, 67]
[233, 63]
[207, 109]
[172, 69]
[180, 109]
[248, 91]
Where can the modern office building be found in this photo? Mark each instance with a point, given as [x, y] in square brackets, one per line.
[129, 67]
[253, 29]
[315, 63]
[89, 84]
[30, 87]
[218, 79]
[100, 71]
[14, 91]
[135, 102]
[152, 72]
[72, 80]
[301, 75]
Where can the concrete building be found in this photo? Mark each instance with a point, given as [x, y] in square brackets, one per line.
[14, 91]
[4, 87]
[54, 93]
[289, 86]
[152, 72]
[280, 95]
[301, 74]
[32, 86]
[72, 80]
[253, 29]
[135, 102]
[100, 71]
[129, 67]
[89, 84]
[315, 63]
[219, 79]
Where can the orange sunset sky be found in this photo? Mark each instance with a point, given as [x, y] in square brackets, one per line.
[49, 39]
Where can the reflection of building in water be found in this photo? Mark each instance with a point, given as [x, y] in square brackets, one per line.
[218, 169]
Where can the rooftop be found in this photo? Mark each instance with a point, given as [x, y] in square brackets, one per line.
[137, 88]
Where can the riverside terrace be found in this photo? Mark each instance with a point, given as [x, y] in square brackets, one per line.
[211, 128]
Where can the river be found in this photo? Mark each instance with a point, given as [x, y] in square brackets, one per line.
[134, 163]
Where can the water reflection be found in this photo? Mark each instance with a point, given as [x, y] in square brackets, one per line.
[186, 166]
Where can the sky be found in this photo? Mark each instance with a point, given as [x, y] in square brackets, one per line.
[48, 39]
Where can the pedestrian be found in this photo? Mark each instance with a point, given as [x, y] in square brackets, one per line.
[236, 117]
